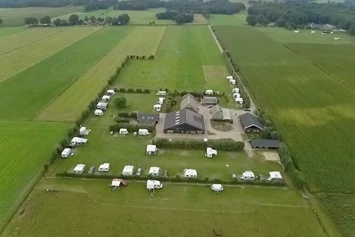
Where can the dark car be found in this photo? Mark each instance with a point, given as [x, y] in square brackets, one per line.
[91, 170]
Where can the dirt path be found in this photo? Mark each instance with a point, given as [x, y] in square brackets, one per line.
[215, 39]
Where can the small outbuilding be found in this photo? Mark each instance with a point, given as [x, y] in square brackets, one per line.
[189, 173]
[274, 176]
[117, 183]
[128, 170]
[102, 105]
[151, 150]
[210, 152]
[265, 144]
[83, 131]
[147, 118]
[79, 169]
[251, 123]
[78, 141]
[105, 167]
[98, 112]
[220, 114]
[208, 100]
[247, 176]
[66, 153]
[154, 171]
[110, 92]
[189, 102]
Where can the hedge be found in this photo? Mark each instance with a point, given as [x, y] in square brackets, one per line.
[131, 127]
[128, 115]
[133, 90]
[222, 144]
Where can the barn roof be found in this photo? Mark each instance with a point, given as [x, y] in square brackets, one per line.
[189, 102]
[184, 116]
[141, 117]
[264, 143]
[249, 120]
[209, 100]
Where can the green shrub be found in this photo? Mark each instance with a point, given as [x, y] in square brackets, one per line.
[131, 127]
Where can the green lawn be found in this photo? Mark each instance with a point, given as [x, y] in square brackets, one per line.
[6, 31]
[16, 16]
[25, 148]
[25, 94]
[90, 208]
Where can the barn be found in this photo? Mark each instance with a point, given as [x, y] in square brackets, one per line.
[208, 100]
[264, 144]
[251, 123]
[189, 102]
[184, 121]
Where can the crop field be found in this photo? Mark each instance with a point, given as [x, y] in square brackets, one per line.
[13, 62]
[233, 20]
[39, 86]
[16, 16]
[305, 103]
[25, 147]
[6, 31]
[178, 210]
[67, 107]
[179, 61]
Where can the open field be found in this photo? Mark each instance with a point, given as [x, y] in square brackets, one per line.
[16, 16]
[87, 207]
[305, 104]
[13, 61]
[234, 20]
[25, 147]
[41, 83]
[6, 31]
[65, 107]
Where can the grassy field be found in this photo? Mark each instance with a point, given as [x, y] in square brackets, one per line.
[13, 62]
[25, 147]
[44, 81]
[6, 31]
[16, 16]
[66, 107]
[178, 210]
[234, 20]
[305, 103]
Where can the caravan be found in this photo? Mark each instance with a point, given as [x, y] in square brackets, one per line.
[128, 170]
[105, 167]
[83, 131]
[154, 171]
[161, 93]
[275, 176]
[78, 141]
[189, 173]
[154, 184]
[209, 92]
[151, 150]
[66, 153]
[105, 98]
[143, 132]
[157, 107]
[217, 188]
[79, 169]
[123, 131]
[161, 100]
[247, 176]
[210, 152]
[101, 105]
[98, 112]
[110, 92]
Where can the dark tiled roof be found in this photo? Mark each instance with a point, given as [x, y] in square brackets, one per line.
[184, 116]
[265, 143]
[249, 120]
[209, 100]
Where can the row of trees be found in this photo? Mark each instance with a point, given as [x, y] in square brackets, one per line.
[35, 21]
[179, 18]
[296, 15]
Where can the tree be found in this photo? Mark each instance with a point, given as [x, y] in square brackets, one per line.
[180, 19]
[92, 19]
[153, 22]
[275, 135]
[1, 21]
[108, 20]
[57, 22]
[205, 12]
[86, 18]
[252, 20]
[120, 102]
[100, 19]
[45, 20]
[74, 19]
[123, 19]
[281, 22]
[265, 21]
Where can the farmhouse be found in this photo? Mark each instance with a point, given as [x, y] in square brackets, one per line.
[189, 102]
[128, 170]
[184, 121]
[264, 144]
[251, 123]
[220, 114]
[147, 118]
[208, 100]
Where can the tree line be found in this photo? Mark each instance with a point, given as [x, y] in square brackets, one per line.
[179, 18]
[74, 19]
[299, 15]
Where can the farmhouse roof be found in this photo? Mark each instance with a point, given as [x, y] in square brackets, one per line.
[220, 113]
[147, 118]
[189, 102]
[249, 120]
[184, 116]
[209, 100]
[264, 143]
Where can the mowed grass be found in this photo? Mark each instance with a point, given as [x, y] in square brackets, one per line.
[305, 104]
[13, 61]
[25, 148]
[136, 17]
[6, 31]
[25, 94]
[74, 100]
[178, 63]
[305, 36]
[177, 210]
[16, 16]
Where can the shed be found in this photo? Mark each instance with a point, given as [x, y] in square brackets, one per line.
[210, 152]
[251, 123]
[79, 169]
[83, 131]
[102, 105]
[208, 100]
[128, 170]
[184, 121]
[248, 176]
[105, 167]
[110, 92]
[98, 112]
[151, 150]
[78, 141]
[219, 113]
[66, 152]
[189, 173]
[274, 176]
[189, 102]
[264, 144]
[154, 171]
[147, 118]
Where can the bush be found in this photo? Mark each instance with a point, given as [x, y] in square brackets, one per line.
[131, 127]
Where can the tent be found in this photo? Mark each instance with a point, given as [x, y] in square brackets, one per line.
[79, 169]
[217, 188]
[78, 141]
[154, 171]
[274, 176]
[105, 167]
[102, 105]
[98, 112]
[110, 92]
[157, 107]
[128, 170]
[161, 100]
[154, 184]
[247, 176]
[210, 152]
[151, 150]
[190, 173]
[123, 131]
[116, 183]
[84, 131]
[66, 152]
[105, 98]
[143, 132]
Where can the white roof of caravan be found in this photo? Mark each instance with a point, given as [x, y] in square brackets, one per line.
[79, 139]
[209, 90]
[154, 170]
[142, 130]
[123, 129]
[212, 151]
[79, 167]
[190, 172]
[116, 182]
[157, 106]
[149, 181]
[235, 89]
[229, 77]
[248, 174]
[102, 103]
[275, 174]
[98, 111]
[161, 98]
[217, 186]
[106, 96]
[151, 147]
[128, 169]
[104, 166]
[66, 151]
[111, 91]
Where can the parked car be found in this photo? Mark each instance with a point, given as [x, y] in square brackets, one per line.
[165, 175]
[139, 172]
[91, 170]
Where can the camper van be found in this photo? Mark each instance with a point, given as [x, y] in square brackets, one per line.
[98, 112]
[154, 184]
[247, 176]
[143, 132]
[123, 131]
[78, 141]
[274, 176]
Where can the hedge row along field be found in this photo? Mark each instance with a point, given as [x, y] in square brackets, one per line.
[37, 86]
[313, 112]
[25, 147]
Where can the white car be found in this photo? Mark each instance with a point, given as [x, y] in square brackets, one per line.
[217, 188]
